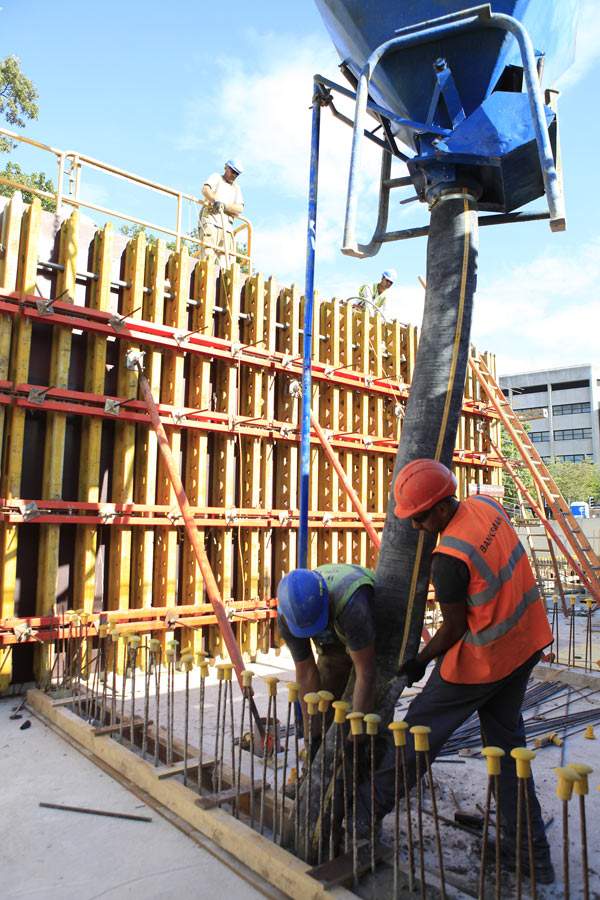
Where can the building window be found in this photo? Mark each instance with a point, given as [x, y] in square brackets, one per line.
[570, 385]
[572, 434]
[532, 412]
[538, 436]
[568, 409]
[575, 457]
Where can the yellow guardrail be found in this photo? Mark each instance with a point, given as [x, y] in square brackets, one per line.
[71, 165]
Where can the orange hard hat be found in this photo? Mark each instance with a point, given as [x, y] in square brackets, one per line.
[421, 484]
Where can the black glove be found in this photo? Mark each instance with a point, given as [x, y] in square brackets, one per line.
[412, 670]
[218, 207]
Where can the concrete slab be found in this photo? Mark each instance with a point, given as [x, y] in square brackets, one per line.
[53, 854]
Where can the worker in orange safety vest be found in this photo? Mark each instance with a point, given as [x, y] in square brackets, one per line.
[494, 629]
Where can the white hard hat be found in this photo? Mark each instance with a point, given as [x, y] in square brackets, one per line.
[390, 274]
[235, 164]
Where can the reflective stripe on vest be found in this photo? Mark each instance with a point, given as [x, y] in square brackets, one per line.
[343, 580]
[506, 621]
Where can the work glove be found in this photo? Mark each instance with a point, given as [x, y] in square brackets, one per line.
[412, 670]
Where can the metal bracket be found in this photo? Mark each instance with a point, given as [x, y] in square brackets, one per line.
[38, 395]
[230, 516]
[29, 510]
[174, 515]
[178, 416]
[107, 512]
[134, 359]
[44, 307]
[284, 517]
[112, 406]
[295, 388]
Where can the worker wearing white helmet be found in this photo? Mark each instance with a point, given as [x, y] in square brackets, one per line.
[224, 201]
[375, 295]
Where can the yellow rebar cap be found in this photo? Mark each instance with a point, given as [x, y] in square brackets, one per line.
[272, 681]
[566, 779]
[399, 730]
[102, 631]
[340, 711]
[187, 662]
[325, 698]
[356, 722]
[220, 667]
[247, 676]
[171, 648]
[293, 691]
[582, 787]
[589, 733]
[154, 646]
[114, 633]
[493, 755]
[134, 641]
[227, 671]
[523, 757]
[372, 721]
[312, 702]
[421, 735]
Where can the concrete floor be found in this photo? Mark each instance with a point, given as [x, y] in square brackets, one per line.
[54, 854]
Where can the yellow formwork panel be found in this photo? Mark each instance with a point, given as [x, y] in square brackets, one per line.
[10, 235]
[119, 569]
[224, 458]
[54, 445]
[84, 574]
[173, 393]
[15, 423]
[146, 456]
[316, 454]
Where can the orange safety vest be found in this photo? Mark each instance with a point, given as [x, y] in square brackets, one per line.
[506, 619]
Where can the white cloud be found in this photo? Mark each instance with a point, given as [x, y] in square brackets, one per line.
[260, 111]
[544, 314]
[587, 50]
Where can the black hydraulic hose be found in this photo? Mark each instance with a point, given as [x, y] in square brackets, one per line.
[429, 430]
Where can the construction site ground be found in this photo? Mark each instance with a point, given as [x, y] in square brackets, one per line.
[72, 852]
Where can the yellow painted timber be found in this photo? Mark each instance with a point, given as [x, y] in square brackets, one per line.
[119, 568]
[10, 235]
[346, 424]
[146, 454]
[84, 579]
[378, 487]
[316, 456]
[286, 410]
[362, 325]
[329, 420]
[172, 393]
[56, 423]
[251, 448]
[197, 455]
[223, 490]
[15, 426]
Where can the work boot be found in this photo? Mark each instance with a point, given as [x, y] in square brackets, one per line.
[544, 870]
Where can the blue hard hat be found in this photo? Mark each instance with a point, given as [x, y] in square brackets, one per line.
[303, 601]
[390, 274]
[236, 165]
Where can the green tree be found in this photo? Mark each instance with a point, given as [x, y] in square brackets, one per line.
[577, 481]
[38, 180]
[511, 495]
[18, 98]
[151, 239]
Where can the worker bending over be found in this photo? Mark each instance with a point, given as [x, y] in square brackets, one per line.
[494, 629]
[224, 202]
[375, 295]
[330, 606]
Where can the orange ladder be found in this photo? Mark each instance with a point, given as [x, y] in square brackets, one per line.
[588, 566]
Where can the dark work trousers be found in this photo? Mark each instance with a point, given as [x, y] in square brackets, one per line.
[444, 707]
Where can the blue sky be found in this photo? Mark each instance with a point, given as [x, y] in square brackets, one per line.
[169, 91]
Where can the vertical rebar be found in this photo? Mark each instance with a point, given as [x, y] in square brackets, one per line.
[417, 731]
[134, 644]
[498, 836]
[588, 635]
[147, 677]
[156, 650]
[220, 681]
[123, 686]
[533, 887]
[229, 700]
[203, 665]
[523, 757]
[312, 705]
[356, 730]
[493, 756]
[571, 653]
[297, 727]
[555, 619]
[187, 664]
[568, 776]
[293, 692]
[372, 722]
[102, 639]
[263, 787]
[171, 654]
[340, 711]
[247, 676]
[272, 682]
[114, 636]
[325, 699]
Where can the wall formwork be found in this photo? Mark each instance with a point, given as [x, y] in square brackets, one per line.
[88, 519]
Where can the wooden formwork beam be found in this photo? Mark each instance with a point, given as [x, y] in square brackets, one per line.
[146, 452]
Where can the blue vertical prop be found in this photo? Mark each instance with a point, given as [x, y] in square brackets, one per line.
[309, 287]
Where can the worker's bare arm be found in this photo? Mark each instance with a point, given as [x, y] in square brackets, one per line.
[363, 698]
[453, 628]
[234, 209]
[208, 193]
[307, 676]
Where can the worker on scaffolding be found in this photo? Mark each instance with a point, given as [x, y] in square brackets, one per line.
[332, 607]
[374, 295]
[224, 201]
[494, 629]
